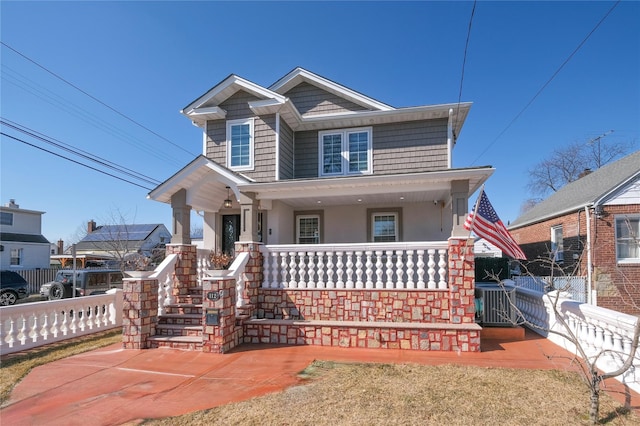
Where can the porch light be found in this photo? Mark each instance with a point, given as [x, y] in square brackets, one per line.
[228, 203]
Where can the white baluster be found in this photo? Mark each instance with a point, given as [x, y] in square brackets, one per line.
[369, 270]
[400, 269]
[311, 270]
[442, 271]
[330, 270]
[410, 265]
[359, 272]
[12, 337]
[389, 269]
[349, 283]
[339, 269]
[607, 345]
[44, 331]
[420, 266]
[33, 328]
[3, 332]
[284, 270]
[379, 271]
[301, 270]
[431, 268]
[320, 283]
[22, 326]
[292, 270]
[273, 283]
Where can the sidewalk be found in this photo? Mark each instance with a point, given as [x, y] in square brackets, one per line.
[112, 386]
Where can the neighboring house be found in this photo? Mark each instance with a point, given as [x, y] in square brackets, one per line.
[592, 226]
[309, 161]
[22, 245]
[118, 241]
[484, 248]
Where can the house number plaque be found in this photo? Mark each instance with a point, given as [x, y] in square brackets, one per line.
[213, 295]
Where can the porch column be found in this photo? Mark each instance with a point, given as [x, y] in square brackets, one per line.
[181, 233]
[459, 207]
[248, 217]
[461, 280]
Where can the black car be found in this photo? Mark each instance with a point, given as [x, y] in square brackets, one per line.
[12, 287]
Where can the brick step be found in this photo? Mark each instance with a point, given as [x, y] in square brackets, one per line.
[181, 319]
[178, 330]
[184, 308]
[188, 343]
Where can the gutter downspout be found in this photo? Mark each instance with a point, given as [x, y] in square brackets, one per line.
[277, 165]
[450, 138]
[588, 224]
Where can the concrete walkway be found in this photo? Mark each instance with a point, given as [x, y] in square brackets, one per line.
[113, 386]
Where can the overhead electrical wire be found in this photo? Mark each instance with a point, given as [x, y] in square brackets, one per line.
[548, 81]
[464, 61]
[79, 152]
[48, 96]
[73, 161]
[94, 98]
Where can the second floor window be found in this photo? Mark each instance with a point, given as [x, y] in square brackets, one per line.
[240, 144]
[6, 218]
[345, 152]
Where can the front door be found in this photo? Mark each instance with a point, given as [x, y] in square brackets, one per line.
[230, 233]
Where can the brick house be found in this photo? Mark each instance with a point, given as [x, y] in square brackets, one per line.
[590, 227]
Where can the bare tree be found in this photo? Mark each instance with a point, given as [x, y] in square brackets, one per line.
[584, 360]
[567, 164]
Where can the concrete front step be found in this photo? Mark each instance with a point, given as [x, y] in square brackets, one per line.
[190, 343]
[184, 308]
[181, 319]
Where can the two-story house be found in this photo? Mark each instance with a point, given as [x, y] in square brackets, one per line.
[309, 161]
[22, 245]
[590, 227]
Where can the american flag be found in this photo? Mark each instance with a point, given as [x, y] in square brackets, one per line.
[488, 225]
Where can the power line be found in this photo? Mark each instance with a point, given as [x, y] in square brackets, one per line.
[76, 151]
[94, 98]
[74, 161]
[548, 82]
[464, 61]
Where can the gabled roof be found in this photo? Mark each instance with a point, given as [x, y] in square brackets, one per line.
[590, 190]
[135, 232]
[300, 75]
[23, 238]
[271, 100]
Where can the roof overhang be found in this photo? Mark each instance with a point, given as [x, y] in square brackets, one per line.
[206, 184]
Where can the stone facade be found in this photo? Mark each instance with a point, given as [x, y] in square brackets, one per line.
[140, 312]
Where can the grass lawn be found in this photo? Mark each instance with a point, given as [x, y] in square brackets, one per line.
[366, 394]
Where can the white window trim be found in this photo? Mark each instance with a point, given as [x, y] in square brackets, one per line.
[558, 256]
[230, 123]
[396, 229]
[345, 151]
[626, 260]
[306, 216]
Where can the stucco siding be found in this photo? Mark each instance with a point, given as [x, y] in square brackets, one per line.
[311, 100]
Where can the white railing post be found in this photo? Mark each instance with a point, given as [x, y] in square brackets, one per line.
[379, 269]
[410, 272]
[320, 283]
[431, 269]
[339, 269]
[442, 271]
[349, 283]
[420, 266]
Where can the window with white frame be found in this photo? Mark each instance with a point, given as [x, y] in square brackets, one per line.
[628, 239]
[345, 151]
[16, 257]
[308, 229]
[240, 144]
[557, 247]
[384, 227]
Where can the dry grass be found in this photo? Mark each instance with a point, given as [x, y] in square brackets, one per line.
[16, 366]
[365, 394]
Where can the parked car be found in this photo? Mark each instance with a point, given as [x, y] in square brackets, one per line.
[88, 282]
[12, 287]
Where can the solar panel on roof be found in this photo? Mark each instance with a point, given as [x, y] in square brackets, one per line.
[120, 232]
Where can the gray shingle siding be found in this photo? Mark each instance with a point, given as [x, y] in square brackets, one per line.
[286, 151]
[311, 100]
[306, 155]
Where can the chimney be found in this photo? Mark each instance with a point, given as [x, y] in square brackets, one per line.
[91, 226]
[60, 246]
[12, 204]
[584, 173]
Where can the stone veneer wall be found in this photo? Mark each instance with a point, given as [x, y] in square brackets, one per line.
[140, 312]
[185, 269]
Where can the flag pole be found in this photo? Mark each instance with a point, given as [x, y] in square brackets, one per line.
[475, 212]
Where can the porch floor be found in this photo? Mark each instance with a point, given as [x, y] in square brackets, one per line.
[115, 386]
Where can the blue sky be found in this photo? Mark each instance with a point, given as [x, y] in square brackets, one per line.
[147, 60]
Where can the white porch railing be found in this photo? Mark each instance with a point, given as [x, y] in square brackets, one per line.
[416, 265]
[603, 333]
[164, 274]
[203, 264]
[30, 325]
